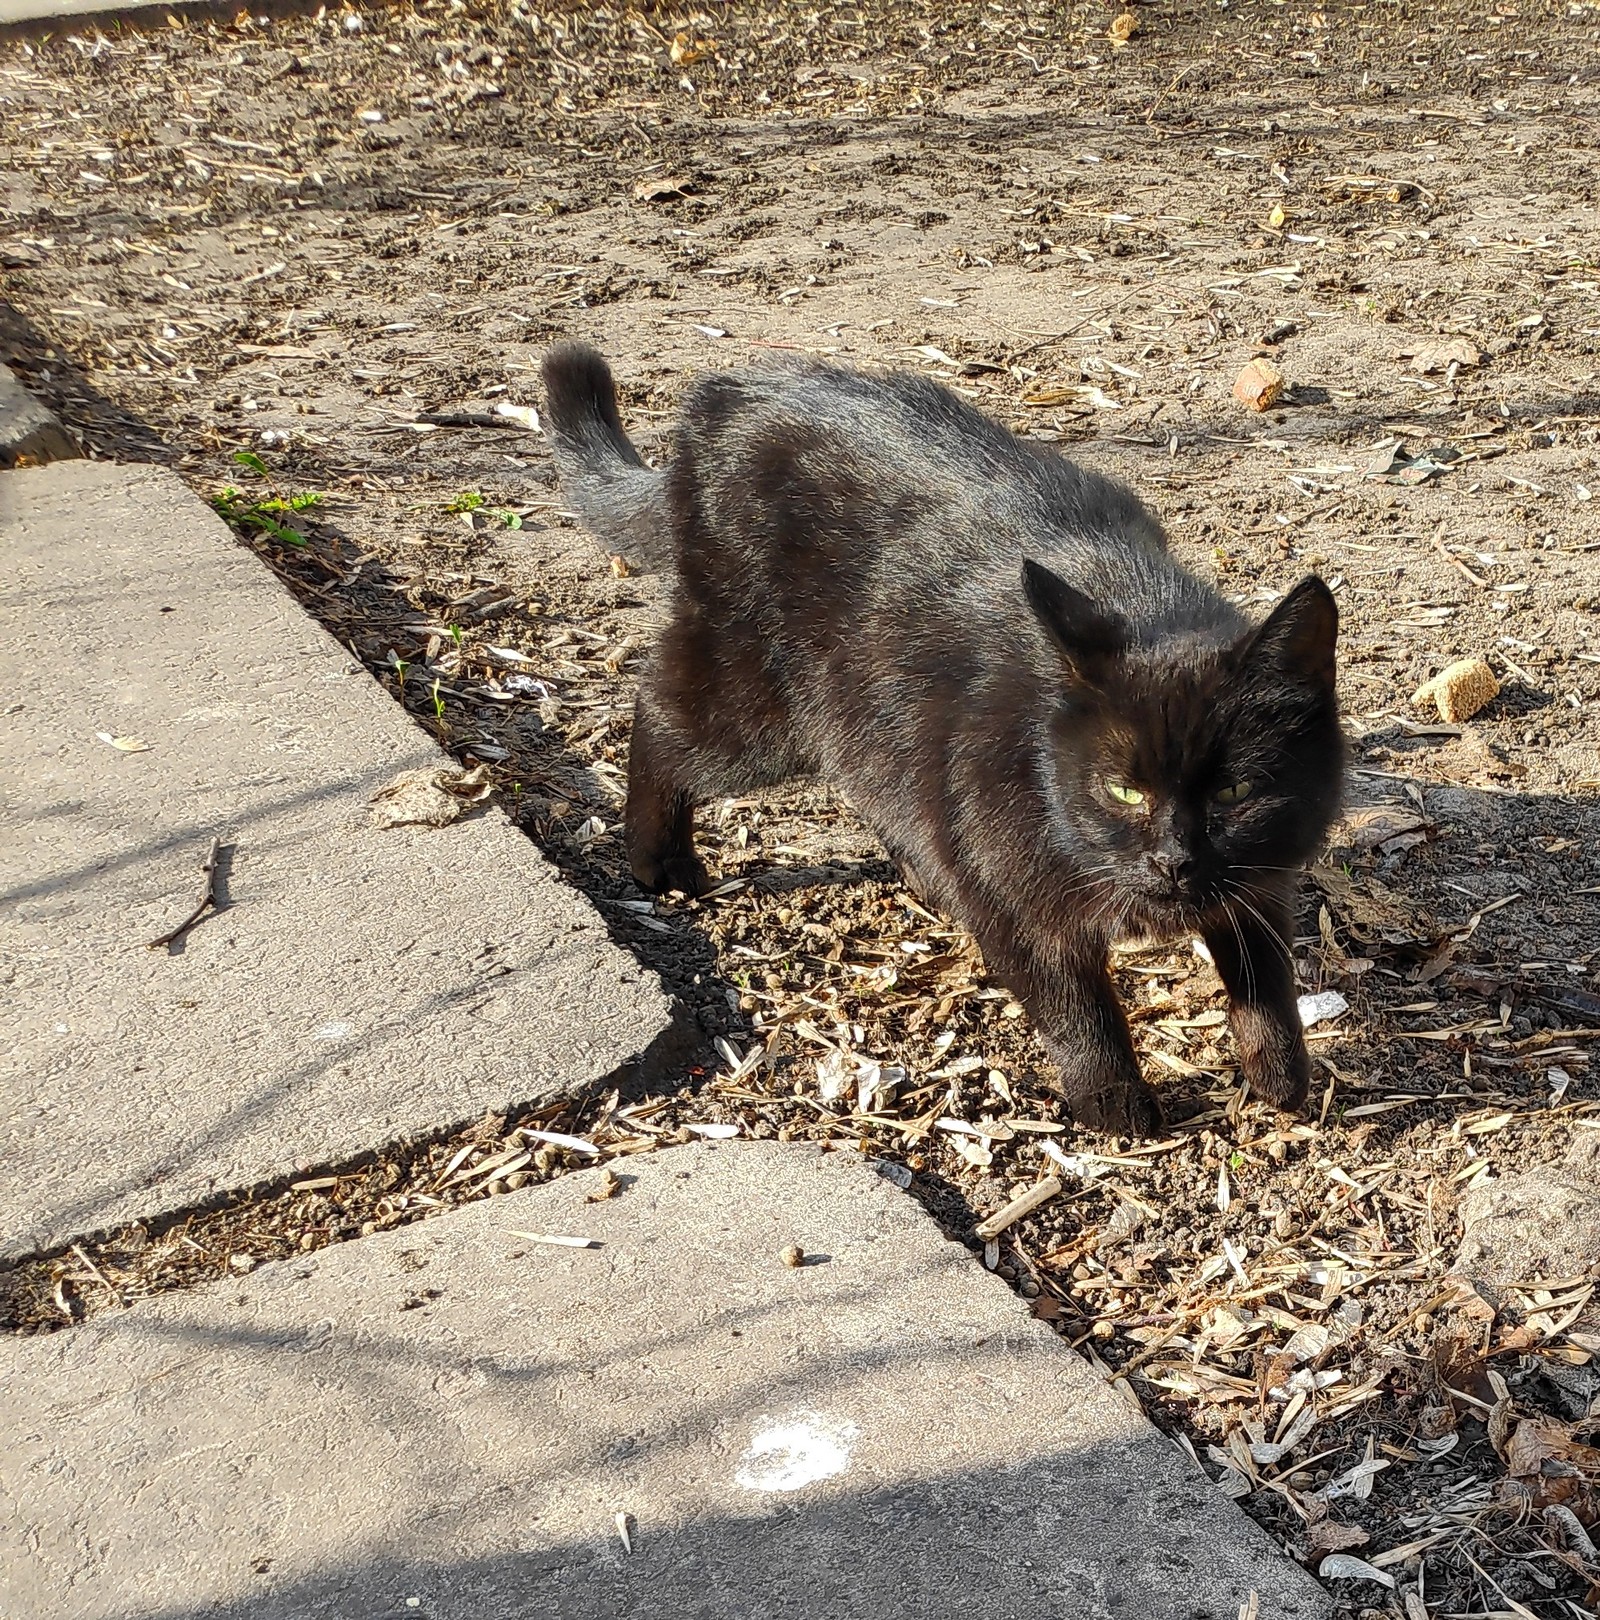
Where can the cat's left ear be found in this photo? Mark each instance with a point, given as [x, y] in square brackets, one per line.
[1297, 639]
[1089, 640]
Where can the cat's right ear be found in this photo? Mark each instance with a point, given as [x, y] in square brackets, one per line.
[1089, 640]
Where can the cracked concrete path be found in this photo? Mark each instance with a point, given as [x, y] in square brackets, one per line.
[359, 985]
[456, 1422]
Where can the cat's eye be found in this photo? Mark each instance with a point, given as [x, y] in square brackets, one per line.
[1235, 792]
[1123, 794]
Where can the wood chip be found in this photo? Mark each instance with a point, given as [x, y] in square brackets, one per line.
[557, 1240]
[1023, 1204]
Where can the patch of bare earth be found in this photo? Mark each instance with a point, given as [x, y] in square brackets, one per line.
[302, 240]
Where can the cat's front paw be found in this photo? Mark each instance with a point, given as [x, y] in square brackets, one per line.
[1273, 1058]
[686, 874]
[1126, 1110]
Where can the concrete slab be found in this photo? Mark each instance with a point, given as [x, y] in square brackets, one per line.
[29, 434]
[445, 1421]
[361, 985]
[41, 15]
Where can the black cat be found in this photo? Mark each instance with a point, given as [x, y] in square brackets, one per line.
[1062, 736]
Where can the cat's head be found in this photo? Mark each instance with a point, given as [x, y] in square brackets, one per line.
[1198, 770]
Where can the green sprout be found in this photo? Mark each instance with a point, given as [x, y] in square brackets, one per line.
[246, 513]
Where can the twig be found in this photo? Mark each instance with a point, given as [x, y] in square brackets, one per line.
[1456, 563]
[467, 419]
[1023, 1204]
[98, 1275]
[208, 899]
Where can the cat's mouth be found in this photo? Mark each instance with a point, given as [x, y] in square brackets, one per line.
[1166, 909]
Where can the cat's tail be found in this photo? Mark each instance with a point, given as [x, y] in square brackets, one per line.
[621, 500]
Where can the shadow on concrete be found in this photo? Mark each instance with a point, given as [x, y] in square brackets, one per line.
[515, 1454]
[987, 1544]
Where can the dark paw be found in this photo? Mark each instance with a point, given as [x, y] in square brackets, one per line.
[685, 874]
[1273, 1057]
[1130, 1110]
[1287, 1088]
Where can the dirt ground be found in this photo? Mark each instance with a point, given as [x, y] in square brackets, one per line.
[299, 239]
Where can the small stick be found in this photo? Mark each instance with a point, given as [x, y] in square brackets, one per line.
[98, 1275]
[467, 419]
[1023, 1204]
[208, 899]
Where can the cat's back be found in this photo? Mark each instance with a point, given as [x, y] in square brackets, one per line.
[892, 441]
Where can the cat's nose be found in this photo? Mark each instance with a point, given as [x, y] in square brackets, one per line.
[1173, 869]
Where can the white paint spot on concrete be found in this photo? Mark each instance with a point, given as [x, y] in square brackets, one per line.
[339, 1030]
[789, 1453]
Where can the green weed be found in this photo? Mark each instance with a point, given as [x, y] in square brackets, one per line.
[249, 513]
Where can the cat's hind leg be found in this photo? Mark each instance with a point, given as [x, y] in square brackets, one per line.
[707, 722]
[659, 835]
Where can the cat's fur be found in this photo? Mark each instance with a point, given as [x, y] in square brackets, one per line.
[972, 638]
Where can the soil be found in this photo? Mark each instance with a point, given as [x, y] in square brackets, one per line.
[297, 239]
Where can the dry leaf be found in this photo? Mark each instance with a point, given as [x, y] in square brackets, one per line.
[687, 49]
[1440, 356]
[1277, 218]
[661, 188]
[1379, 827]
[1123, 28]
[1074, 394]
[1544, 1448]
[1342, 1567]
[1259, 385]
[524, 415]
[124, 745]
[432, 797]
[1373, 915]
[1330, 1536]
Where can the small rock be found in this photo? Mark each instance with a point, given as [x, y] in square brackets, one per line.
[242, 1262]
[793, 1255]
[1259, 386]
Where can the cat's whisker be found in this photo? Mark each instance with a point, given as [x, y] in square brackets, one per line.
[1244, 955]
[1278, 942]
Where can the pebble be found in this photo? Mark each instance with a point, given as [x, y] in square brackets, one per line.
[793, 1255]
